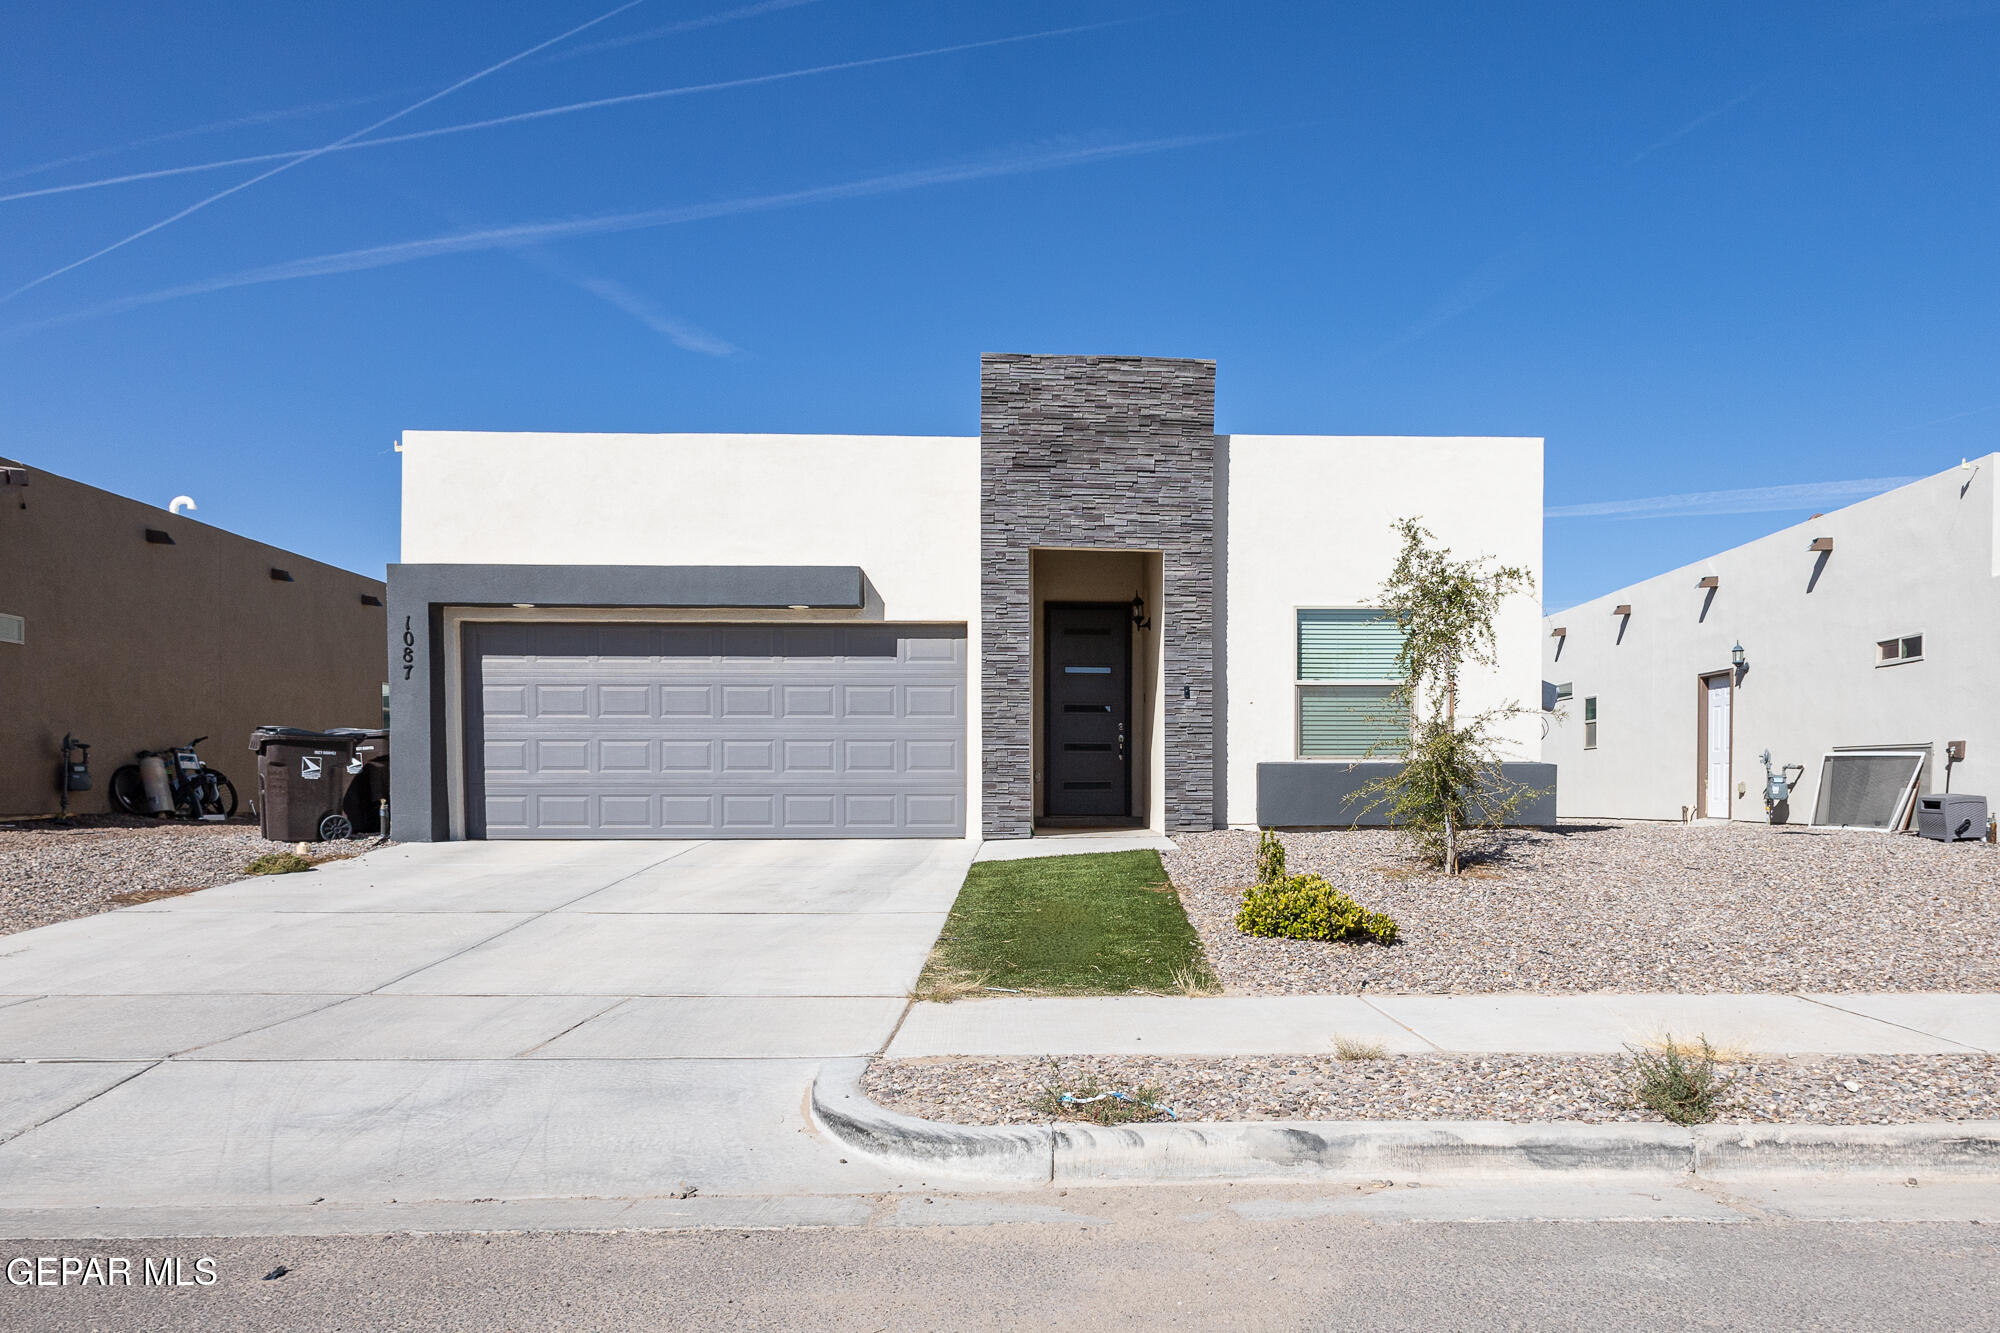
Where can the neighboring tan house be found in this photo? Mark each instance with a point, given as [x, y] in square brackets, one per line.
[1096, 612]
[134, 628]
[1874, 629]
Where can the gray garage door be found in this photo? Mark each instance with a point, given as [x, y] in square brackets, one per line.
[626, 730]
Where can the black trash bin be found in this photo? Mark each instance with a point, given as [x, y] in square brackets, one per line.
[303, 779]
[368, 777]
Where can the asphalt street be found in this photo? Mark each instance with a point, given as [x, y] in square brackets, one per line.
[1090, 1260]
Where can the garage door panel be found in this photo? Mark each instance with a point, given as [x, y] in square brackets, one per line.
[634, 730]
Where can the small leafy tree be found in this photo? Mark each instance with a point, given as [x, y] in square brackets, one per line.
[1270, 857]
[1451, 783]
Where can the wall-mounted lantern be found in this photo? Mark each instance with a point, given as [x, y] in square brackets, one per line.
[1139, 620]
[1736, 657]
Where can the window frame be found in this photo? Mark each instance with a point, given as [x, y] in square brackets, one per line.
[1590, 721]
[1902, 642]
[1300, 685]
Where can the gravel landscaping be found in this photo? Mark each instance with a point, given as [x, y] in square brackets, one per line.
[1885, 1089]
[50, 872]
[1621, 907]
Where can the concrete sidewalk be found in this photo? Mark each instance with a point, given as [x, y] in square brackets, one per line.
[1857, 1024]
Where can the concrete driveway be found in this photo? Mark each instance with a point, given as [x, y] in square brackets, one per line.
[468, 1021]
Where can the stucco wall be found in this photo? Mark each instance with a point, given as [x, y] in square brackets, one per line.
[1918, 560]
[1309, 525]
[903, 508]
[137, 646]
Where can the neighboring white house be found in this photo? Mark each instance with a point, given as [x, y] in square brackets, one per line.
[1090, 614]
[1874, 627]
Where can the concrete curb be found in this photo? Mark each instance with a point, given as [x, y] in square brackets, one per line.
[844, 1113]
[1308, 1150]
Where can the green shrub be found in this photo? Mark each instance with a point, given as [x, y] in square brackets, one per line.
[278, 863]
[1306, 907]
[1678, 1082]
[1270, 858]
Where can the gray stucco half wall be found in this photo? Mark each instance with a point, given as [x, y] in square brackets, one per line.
[419, 594]
[1321, 793]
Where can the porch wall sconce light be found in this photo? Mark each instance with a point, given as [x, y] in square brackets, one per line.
[1139, 620]
[1736, 657]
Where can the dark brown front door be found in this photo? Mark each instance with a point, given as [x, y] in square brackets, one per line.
[1087, 709]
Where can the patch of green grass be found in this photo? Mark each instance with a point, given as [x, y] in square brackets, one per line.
[278, 863]
[1099, 924]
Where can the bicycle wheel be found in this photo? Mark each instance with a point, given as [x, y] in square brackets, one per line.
[128, 791]
[220, 798]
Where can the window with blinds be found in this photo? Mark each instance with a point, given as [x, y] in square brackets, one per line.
[1347, 680]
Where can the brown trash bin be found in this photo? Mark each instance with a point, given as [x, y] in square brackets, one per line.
[302, 783]
[366, 802]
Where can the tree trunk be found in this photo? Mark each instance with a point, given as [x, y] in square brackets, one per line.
[1451, 796]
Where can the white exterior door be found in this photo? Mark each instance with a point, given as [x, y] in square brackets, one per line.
[1716, 790]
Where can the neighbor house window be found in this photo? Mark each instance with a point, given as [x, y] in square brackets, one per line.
[13, 629]
[1906, 649]
[1590, 722]
[1347, 685]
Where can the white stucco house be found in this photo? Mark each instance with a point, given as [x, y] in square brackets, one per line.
[1874, 629]
[1096, 612]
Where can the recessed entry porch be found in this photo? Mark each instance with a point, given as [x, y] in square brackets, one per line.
[1098, 749]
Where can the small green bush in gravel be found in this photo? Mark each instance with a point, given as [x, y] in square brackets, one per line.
[1270, 857]
[1678, 1082]
[278, 863]
[1306, 907]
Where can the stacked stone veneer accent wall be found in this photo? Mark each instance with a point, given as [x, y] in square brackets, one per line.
[1112, 453]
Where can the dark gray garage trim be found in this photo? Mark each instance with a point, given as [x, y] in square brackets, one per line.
[419, 594]
[1321, 793]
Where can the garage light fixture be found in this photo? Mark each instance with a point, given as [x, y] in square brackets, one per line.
[797, 606]
[524, 606]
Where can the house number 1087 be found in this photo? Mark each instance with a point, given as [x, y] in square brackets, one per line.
[409, 648]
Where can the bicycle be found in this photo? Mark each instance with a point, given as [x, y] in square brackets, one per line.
[193, 788]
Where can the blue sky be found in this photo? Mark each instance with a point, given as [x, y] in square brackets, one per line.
[1698, 247]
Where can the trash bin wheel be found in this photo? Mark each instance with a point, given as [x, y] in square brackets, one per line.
[335, 828]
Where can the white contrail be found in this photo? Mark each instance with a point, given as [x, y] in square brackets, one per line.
[307, 157]
[195, 132]
[1691, 126]
[594, 104]
[536, 233]
[1752, 500]
[639, 306]
[674, 29]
